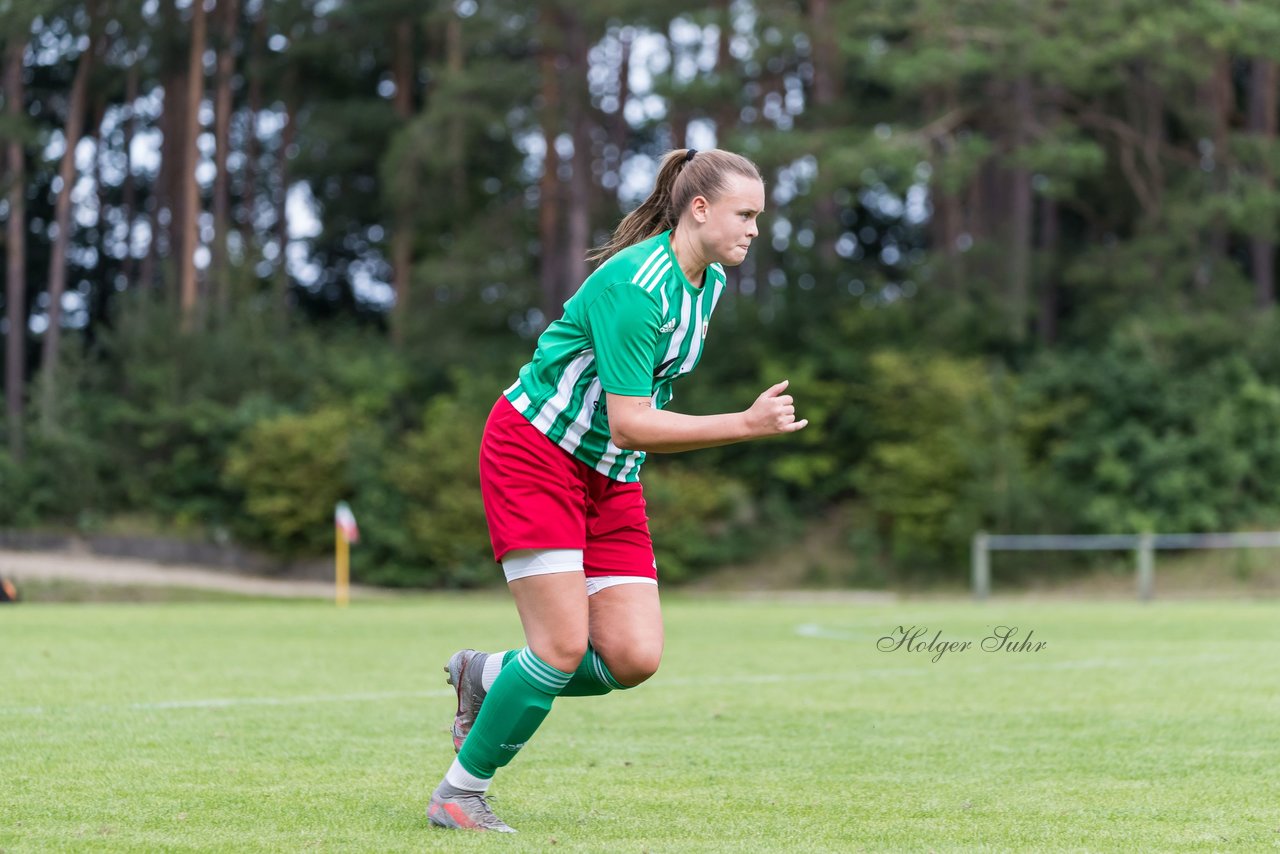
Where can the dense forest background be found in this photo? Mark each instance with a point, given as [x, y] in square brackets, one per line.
[1019, 264]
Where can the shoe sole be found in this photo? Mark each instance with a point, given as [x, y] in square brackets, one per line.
[439, 816]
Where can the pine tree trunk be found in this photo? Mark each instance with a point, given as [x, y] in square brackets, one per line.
[619, 130]
[827, 71]
[129, 192]
[1217, 101]
[826, 95]
[189, 187]
[1047, 316]
[1262, 121]
[161, 212]
[725, 114]
[282, 200]
[228, 12]
[578, 231]
[986, 214]
[946, 222]
[454, 56]
[16, 256]
[99, 315]
[973, 204]
[944, 228]
[551, 272]
[62, 217]
[401, 262]
[1020, 214]
[677, 111]
[252, 150]
[158, 201]
[1154, 139]
[167, 211]
[402, 236]
[679, 126]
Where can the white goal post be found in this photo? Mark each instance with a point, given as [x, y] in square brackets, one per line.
[1142, 545]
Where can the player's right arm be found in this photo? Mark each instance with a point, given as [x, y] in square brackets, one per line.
[623, 320]
[637, 426]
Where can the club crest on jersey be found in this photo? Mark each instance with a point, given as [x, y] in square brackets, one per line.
[669, 326]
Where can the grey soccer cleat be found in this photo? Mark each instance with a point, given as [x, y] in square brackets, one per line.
[459, 810]
[466, 675]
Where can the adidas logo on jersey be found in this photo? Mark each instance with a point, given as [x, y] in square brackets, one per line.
[667, 327]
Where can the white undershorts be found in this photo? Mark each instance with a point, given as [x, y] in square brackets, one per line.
[522, 563]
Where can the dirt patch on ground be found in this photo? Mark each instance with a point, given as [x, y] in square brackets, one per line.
[97, 570]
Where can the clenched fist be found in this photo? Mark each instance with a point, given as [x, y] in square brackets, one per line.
[774, 412]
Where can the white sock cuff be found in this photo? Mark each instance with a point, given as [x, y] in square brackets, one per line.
[461, 778]
[492, 667]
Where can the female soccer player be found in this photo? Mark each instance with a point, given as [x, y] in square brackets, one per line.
[560, 461]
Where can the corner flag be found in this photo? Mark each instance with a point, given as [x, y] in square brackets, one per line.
[345, 521]
[345, 533]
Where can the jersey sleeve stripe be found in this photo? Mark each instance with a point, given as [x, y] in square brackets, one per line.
[655, 276]
[653, 256]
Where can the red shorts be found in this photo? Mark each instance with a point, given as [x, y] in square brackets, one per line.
[538, 496]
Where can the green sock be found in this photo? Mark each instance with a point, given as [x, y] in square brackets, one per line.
[513, 709]
[591, 678]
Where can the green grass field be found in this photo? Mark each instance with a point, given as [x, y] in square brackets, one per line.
[255, 726]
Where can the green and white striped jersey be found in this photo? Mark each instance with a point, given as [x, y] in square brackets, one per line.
[634, 326]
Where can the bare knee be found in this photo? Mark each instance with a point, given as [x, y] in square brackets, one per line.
[563, 652]
[634, 665]
[626, 631]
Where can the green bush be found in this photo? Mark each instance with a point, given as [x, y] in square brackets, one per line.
[60, 481]
[426, 524]
[291, 470]
[944, 456]
[1169, 428]
[13, 487]
[169, 458]
[698, 519]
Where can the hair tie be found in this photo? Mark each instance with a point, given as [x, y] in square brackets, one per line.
[689, 155]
